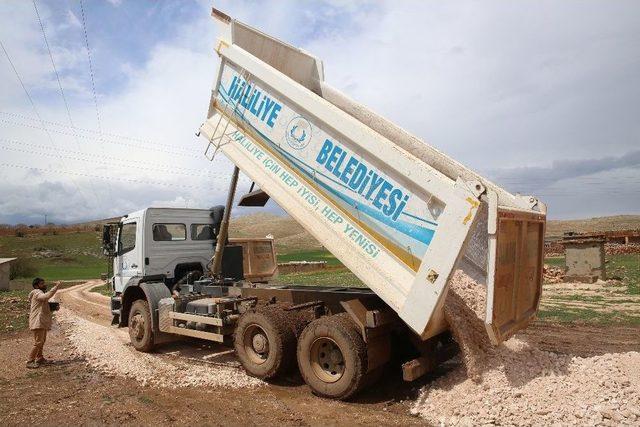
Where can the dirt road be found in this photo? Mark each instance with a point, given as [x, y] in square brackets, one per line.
[78, 391]
[100, 378]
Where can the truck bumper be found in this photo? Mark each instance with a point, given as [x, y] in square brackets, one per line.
[116, 308]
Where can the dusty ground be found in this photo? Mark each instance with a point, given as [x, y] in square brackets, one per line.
[76, 390]
[517, 383]
[73, 392]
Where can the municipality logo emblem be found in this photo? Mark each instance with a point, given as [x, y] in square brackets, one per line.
[298, 133]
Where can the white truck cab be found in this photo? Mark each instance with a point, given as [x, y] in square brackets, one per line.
[166, 244]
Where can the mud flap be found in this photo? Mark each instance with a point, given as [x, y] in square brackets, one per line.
[514, 285]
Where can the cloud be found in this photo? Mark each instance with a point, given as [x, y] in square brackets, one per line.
[528, 94]
[73, 20]
[527, 81]
[529, 179]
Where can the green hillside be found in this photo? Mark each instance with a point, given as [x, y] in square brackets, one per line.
[64, 256]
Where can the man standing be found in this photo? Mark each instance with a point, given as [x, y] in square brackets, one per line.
[39, 319]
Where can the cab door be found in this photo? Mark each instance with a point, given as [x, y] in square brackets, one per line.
[127, 262]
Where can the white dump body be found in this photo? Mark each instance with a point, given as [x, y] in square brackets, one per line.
[398, 213]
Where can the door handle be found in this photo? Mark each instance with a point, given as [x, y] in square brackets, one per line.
[134, 265]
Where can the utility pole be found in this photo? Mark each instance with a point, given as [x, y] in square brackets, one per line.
[45, 219]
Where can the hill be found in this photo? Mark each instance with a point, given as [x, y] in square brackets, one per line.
[291, 236]
[556, 228]
[288, 234]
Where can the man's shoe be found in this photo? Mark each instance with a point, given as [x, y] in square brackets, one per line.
[33, 364]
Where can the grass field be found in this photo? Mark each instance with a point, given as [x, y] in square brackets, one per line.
[616, 302]
[317, 255]
[627, 267]
[334, 277]
[68, 256]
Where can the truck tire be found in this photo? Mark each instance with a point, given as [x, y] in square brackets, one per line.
[265, 342]
[332, 357]
[140, 329]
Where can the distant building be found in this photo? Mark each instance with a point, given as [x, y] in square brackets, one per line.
[584, 257]
[5, 269]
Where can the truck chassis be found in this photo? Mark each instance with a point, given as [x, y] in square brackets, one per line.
[340, 337]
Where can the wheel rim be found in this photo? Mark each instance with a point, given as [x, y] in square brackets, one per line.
[256, 344]
[138, 326]
[327, 360]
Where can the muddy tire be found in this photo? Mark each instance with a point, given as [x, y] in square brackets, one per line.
[332, 357]
[140, 329]
[265, 342]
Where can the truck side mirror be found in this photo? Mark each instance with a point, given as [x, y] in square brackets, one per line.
[217, 212]
[108, 239]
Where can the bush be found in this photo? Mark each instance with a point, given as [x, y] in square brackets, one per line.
[22, 267]
[20, 233]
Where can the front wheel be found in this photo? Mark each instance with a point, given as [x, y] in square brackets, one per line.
[140, 331]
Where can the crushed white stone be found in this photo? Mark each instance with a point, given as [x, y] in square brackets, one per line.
[517, 384]
[109, 351]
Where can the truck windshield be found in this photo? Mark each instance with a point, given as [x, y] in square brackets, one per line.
[127, 238]
[169, 232]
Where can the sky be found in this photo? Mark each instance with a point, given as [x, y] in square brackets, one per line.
[540, 96]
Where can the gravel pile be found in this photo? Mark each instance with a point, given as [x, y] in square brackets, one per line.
[517, 384]
[109, 351]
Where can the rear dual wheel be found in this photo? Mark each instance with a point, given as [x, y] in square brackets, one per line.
[265, 342]
[332, 357]
[331, 353]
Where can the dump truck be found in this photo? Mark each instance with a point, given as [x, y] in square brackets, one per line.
[398, 213]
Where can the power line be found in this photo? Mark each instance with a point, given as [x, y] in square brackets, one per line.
[112, 135]
[91, 74]
[113, 178]
[15, 71]
[64, 97]
[178, 153]
[124, 164]
[35, 110]
[117, 159]
[93, 82]
[53, 64]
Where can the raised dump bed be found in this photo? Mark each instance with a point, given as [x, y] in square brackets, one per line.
[398, 213]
